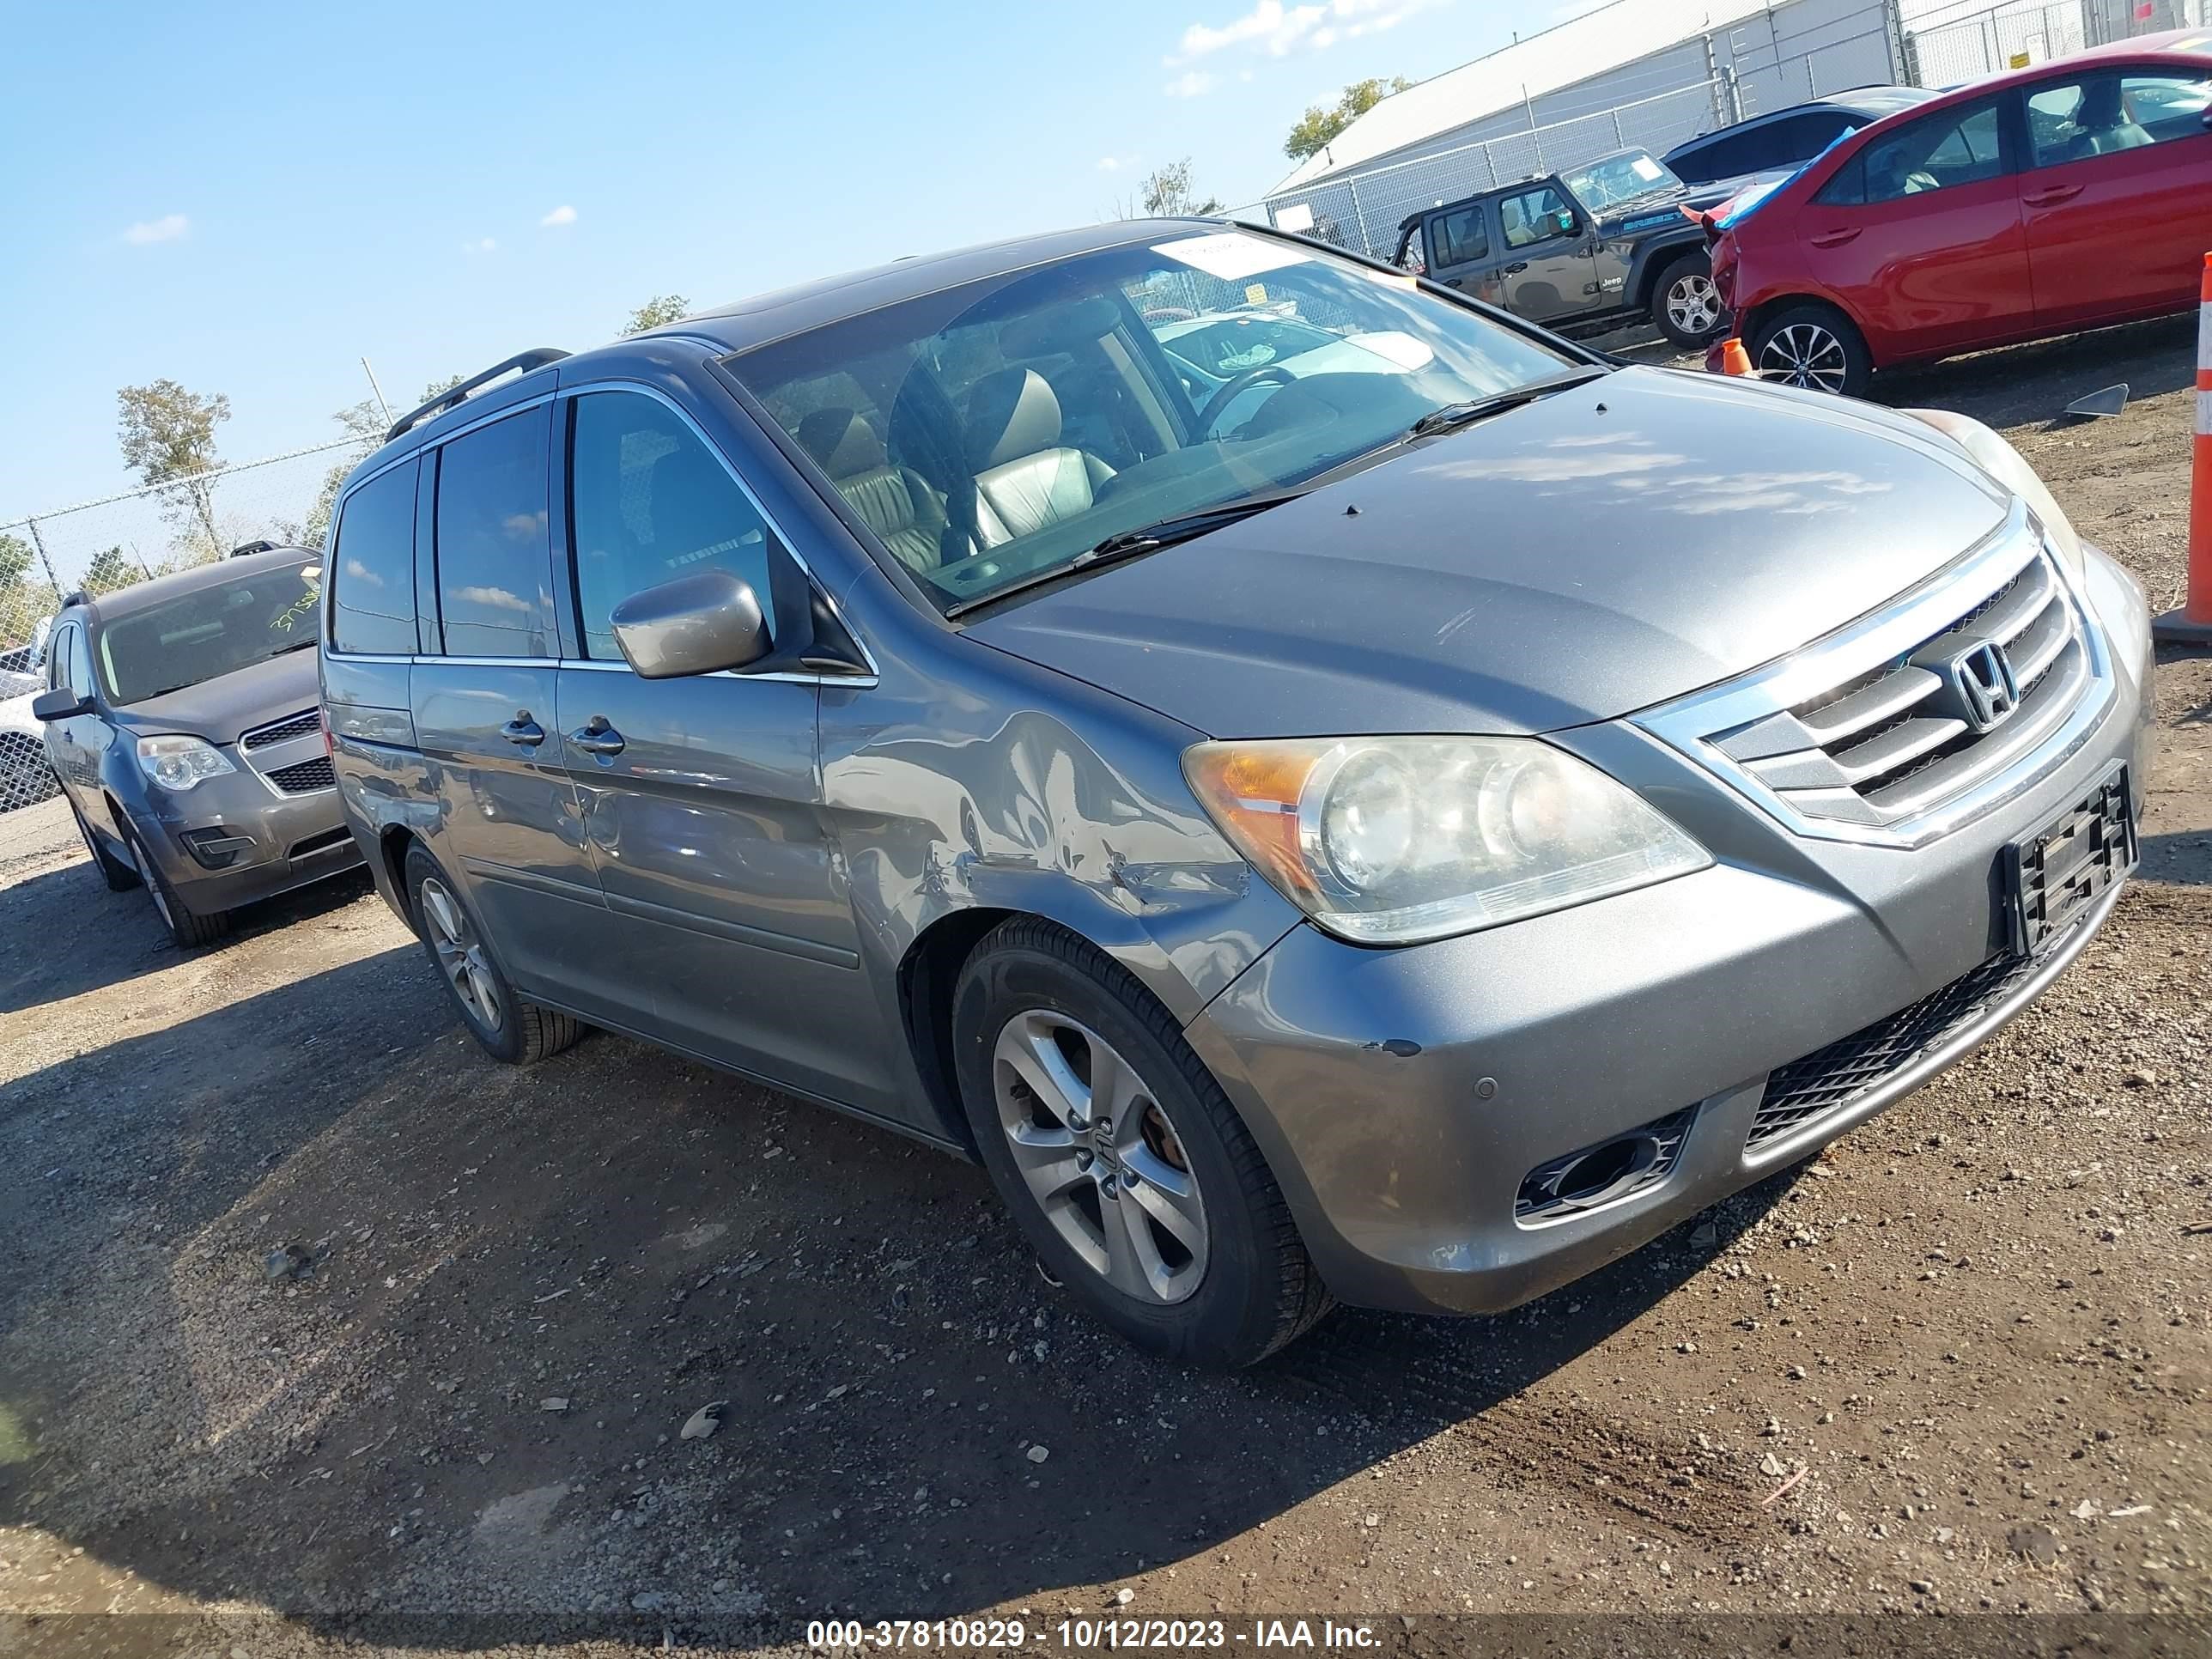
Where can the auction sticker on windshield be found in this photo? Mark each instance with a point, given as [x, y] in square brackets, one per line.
[1231, 255]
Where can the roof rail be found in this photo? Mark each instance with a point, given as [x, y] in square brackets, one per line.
[521, 364]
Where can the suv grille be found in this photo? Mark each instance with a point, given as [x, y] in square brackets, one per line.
[1873, 734]
[305, 724]
[306, 777]
[1829, 1079]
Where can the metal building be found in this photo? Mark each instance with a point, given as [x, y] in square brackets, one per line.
[1651, 72]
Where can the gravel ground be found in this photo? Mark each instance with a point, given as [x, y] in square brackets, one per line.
[1961, 1363]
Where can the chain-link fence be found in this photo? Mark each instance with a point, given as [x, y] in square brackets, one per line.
[1964, 42]
[100, 545]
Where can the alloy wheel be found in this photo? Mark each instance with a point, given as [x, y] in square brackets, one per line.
[1100, 1156]
[1807, 354]
[1694, 304]
[460, 953]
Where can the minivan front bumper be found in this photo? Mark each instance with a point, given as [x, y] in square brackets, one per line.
[1413, 1104]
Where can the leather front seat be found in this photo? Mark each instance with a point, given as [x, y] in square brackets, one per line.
[1025, 477]
[894, 502]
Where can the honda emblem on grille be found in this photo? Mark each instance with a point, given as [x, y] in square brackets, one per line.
[1983, 688]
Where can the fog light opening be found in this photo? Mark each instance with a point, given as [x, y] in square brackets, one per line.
[1597, 1173]
[1626, 1167]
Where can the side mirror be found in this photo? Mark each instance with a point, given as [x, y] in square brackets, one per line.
[693, 625]
[59, 704]
[1563, 221]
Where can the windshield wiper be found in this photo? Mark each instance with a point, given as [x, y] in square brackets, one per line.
[1452, 417]
[1146, 538]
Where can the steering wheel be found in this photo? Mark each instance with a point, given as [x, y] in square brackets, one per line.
[1219, 402]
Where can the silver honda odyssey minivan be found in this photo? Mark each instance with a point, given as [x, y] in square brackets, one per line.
[1399, 808]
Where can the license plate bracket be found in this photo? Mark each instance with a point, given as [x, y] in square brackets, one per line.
[2052, 878]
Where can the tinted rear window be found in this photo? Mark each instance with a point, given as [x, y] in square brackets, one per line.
[495, 573]
[372, 566]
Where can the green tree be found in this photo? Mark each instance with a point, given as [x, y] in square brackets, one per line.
[14, 559]
[364, 425]
[1167, 193]
[168, 434]
[110, 569]
[1318, 127]
[657, 313]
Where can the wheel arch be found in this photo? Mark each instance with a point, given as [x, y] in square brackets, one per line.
[929, 970]
[1651, 260]
[392, 842]
[1754, 317]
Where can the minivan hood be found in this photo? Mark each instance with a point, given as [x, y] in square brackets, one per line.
[219, 708]
[1573, 560]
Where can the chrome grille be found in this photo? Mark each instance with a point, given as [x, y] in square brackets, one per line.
[1871, 734]
[305, 724]
[305, 778]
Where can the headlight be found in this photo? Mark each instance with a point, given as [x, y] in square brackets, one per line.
[177, 764]
[1388, 841]
[1990, 452]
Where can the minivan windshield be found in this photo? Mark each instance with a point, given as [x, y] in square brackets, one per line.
[1000, 430]
[208, 632]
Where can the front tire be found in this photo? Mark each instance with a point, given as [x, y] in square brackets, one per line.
[504, 1026]
[1814, 346]
[187, 931]
[1123, 1163]
[1684, 305]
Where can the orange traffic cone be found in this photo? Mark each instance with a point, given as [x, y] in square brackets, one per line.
[2193, 624]
[1735, 360]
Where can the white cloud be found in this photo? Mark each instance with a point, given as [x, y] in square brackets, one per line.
[480, 244]
[563, 215]
[1111, 164]
[167, 228]
[1277, 29]
[1191, 83]
[1270, 25]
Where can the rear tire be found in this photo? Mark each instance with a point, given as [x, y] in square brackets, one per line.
[504, 1026]
[119, 877]
[1684, 305]
[1814, 346]
[188, 931]
[1152, 1205]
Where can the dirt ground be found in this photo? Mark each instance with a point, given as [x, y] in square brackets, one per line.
[1961, 1363]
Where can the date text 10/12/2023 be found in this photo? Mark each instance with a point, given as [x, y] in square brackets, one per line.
[1083, 1635]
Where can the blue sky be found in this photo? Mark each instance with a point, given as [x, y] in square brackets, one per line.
[250, 197]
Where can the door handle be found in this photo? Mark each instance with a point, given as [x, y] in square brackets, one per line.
[523, 730]
[598, 739]
[1513, 270]
[2052, 195]
[1836, 238]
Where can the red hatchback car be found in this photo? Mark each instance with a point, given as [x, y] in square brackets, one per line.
[2068, 195]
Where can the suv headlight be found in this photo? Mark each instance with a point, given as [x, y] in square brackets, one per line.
[1987, 449]
[1388, 841]
[179, 763]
